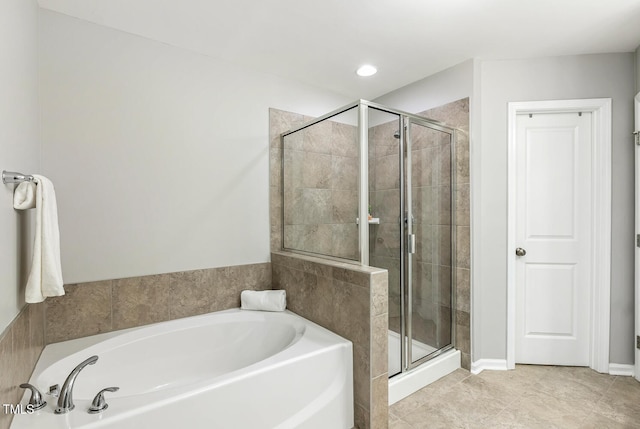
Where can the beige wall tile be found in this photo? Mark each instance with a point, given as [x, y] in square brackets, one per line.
[7, 387]
[22, 362]
[379, 345]
[462, 205]
[141, 300]
[379, 293]
[20, 346]
[84, 310]
[190, 293]
[36, 330]
[379, 401]
[361, 417]
[463, 247]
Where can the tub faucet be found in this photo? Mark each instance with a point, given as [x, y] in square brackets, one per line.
[65, 400]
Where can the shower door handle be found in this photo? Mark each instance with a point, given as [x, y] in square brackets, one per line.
[411, 244]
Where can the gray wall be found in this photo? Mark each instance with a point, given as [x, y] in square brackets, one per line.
[637, 56]
[490, 86]
[18, 144]
[160, 156]
[588, 76]
[454, 83]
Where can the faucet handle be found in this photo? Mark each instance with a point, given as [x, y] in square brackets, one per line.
[35, 400]
[99, 404]
[54, 390]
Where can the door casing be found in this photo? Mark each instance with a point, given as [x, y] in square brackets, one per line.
[600, 287]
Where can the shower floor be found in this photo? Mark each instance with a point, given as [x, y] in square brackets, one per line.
[419, 350]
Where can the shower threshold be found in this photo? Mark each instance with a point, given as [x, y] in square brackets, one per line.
[404, 384]
[419, 350]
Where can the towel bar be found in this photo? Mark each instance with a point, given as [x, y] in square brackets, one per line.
[13, 177]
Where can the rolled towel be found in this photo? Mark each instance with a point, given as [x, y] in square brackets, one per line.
[263, 300]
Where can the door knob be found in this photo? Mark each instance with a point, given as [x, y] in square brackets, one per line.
[520, 251]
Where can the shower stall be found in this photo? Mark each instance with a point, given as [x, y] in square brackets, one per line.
[373, 185]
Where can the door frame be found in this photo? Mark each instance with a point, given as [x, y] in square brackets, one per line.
[600, 287]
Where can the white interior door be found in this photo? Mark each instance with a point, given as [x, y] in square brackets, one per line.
[553, 235]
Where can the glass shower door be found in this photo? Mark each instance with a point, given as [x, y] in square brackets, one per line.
[428, 229]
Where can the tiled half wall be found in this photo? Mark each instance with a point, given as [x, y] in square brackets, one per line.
[350, 300]
[105, 306]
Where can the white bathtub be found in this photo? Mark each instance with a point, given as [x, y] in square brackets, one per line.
[230, 369]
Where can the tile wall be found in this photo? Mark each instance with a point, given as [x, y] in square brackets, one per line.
[350, 300]
[321, 189]
[20, 346]
[104, 306]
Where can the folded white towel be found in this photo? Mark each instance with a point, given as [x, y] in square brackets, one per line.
[263, 300]
[45, 277]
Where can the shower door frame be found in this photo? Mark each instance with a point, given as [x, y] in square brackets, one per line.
[406, 280]
[407, 272]
[405, 119]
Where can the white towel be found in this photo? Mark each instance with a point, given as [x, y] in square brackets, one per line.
[263, 300]
[45, 277]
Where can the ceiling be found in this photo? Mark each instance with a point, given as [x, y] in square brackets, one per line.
[323, 42]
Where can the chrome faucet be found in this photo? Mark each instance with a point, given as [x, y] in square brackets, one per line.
[65, 400]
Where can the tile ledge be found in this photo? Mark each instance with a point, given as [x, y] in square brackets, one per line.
[330, 262]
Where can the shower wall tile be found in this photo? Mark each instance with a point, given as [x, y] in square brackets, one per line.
[345, 140]
[105, 306]
[463, 280]
[442, 165]
[317, 138]
[319, 187]
[442, 245]
[275, 177]
[386, 206]
[316, 170]
[387, 172]
[344, 173]
[275, 217]
[350, 300]
[384, 142]
[462, 204]
[462, 158]
[344, 206]
[279, 122]
[344, 240]
[20, 346]
[463, 248]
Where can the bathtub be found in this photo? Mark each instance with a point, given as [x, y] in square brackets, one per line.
[230, 369]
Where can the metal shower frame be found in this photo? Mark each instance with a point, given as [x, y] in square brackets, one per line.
[406, 275]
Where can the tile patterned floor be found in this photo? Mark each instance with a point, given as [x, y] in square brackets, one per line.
[527, 397]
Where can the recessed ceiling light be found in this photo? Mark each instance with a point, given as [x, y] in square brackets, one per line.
[366, 70]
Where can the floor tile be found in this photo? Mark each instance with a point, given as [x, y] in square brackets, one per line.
[531, 396]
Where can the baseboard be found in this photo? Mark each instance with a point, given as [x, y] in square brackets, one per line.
[621, 369]
[491, 364]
